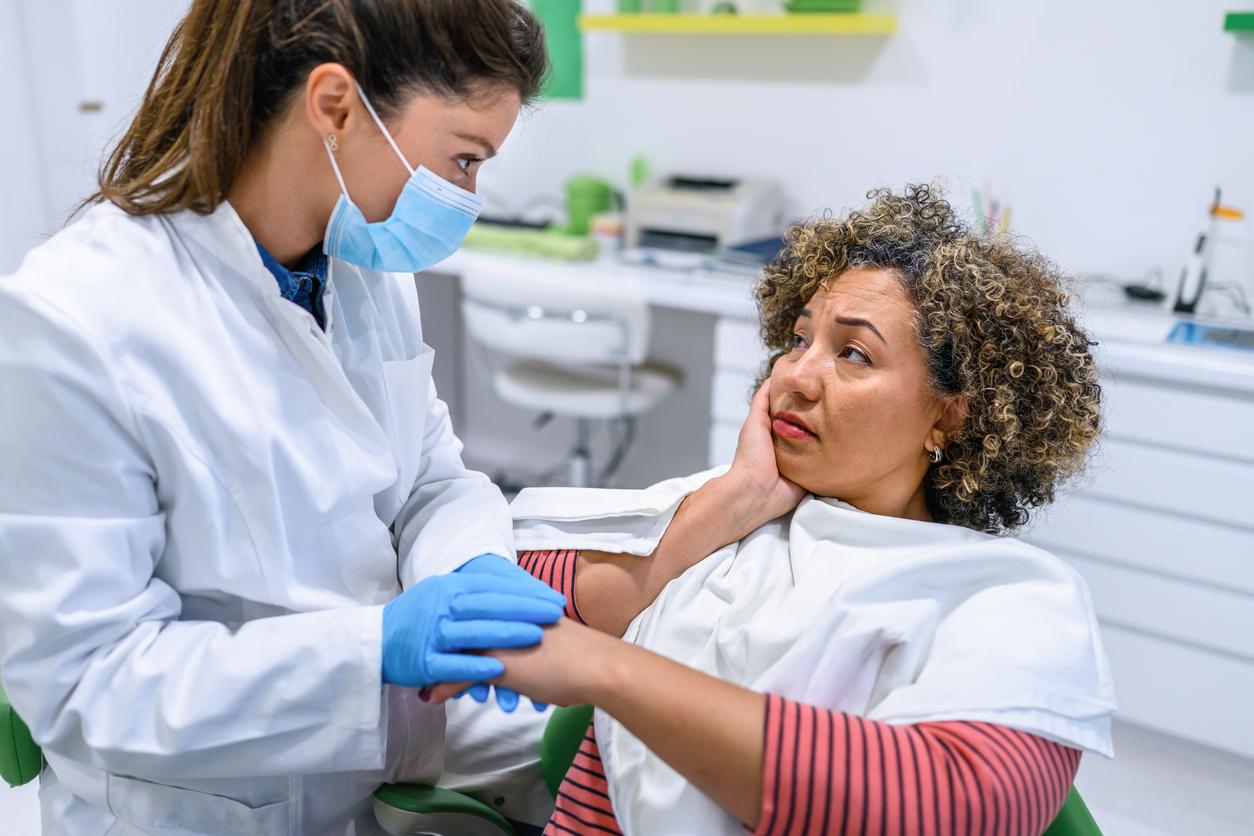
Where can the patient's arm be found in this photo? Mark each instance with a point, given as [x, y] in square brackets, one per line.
[761, 756]
[612, 589]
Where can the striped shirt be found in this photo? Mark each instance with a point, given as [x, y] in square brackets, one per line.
[830, 772]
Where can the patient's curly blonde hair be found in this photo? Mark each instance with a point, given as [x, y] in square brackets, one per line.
[994, 323]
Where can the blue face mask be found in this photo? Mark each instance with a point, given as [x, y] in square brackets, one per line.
[427, 225]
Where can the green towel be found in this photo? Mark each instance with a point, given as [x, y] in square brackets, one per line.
[533, 242]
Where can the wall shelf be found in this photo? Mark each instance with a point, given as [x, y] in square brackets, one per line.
[711, 24]
[1239, 23]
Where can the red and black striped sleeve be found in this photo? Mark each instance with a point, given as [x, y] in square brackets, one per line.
[829, 772]
[583, 800]
[556, 568]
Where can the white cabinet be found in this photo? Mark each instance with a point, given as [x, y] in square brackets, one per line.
[1162, 528]
[738, 360]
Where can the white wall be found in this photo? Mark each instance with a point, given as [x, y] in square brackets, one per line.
[22, 198]
[1105, 123]
[58, 55]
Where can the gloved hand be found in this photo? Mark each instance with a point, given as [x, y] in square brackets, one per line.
[487, 603]
[506, 698]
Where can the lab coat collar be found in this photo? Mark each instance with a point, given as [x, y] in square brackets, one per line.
[222, 233]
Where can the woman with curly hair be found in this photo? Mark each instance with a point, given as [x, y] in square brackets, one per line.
[835, 634]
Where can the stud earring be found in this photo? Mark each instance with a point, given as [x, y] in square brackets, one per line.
[332, 142]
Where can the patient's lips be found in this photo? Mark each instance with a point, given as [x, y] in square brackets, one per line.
[791, 426]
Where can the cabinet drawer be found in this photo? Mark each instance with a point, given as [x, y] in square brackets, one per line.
[737, 347]
[723, 437]
[1186, 419]
[731, 393]
[1175, 482]
[1185, 548]
[1211, 618]
[1182, 690]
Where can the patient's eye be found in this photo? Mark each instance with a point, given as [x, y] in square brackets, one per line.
[798, 341]
[856, 355]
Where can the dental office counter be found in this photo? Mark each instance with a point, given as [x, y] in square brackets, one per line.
[1161, 525]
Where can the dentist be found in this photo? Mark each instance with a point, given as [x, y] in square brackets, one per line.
[236, 533]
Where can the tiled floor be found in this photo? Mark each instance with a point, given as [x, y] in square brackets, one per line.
[1158, 786]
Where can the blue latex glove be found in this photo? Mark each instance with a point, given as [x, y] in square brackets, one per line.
[487, 603]
[506, 698]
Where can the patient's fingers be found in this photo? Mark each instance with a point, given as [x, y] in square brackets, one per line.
[446, 691]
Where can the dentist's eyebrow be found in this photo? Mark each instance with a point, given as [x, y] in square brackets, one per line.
[489, 150]
[859, 322]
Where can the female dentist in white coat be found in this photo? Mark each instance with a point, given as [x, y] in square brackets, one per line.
[232, 510]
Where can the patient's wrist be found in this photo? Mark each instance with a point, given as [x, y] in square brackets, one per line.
[741, 504]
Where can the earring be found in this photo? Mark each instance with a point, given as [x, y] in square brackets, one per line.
[937, 454]
[332, 142]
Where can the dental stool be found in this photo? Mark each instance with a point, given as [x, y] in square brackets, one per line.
[560, 348]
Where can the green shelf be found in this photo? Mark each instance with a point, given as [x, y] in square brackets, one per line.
[1239, 23]
[750, 24]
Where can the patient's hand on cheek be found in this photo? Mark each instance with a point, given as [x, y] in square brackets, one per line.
[564, 669]
[755, 465]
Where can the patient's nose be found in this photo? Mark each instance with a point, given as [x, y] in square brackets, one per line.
[802, 376]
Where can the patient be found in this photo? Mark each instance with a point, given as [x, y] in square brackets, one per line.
[835, 634]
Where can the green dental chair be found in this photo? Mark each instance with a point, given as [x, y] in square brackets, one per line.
[414, 810]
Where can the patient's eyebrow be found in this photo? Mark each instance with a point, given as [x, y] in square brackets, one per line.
[859, 322]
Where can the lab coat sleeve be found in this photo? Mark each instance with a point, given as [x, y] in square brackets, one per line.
[452, 514]
[95, 658]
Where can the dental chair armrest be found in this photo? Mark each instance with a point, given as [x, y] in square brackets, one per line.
[402, 809]
[20, 758]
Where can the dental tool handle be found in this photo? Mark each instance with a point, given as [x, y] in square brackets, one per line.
[1192, 279]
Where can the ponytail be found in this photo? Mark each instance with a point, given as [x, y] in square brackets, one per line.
[231, 66]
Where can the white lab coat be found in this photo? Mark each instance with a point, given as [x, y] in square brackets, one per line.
[895, 620]
[205, 503]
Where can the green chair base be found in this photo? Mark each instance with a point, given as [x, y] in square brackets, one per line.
[406, 809]
[20, 758]
[1074, 819]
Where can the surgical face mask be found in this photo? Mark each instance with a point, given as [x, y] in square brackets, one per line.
[427, 225]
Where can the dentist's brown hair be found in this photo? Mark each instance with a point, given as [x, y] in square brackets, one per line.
[231, 66]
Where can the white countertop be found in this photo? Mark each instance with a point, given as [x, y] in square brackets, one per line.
[1131, 336]
[702, 291]
[1132, 339]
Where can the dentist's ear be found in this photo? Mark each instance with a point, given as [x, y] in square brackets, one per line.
[329, 99]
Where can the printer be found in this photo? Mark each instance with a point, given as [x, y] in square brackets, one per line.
[703, 214]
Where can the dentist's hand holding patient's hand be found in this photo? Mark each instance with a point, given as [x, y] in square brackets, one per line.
[569, 667]
[432, 631]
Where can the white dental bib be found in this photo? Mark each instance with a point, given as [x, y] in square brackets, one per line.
[893, 620]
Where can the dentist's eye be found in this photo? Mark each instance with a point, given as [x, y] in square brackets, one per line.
[467, 163]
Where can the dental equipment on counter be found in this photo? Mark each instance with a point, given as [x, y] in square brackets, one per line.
[1193, 277]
